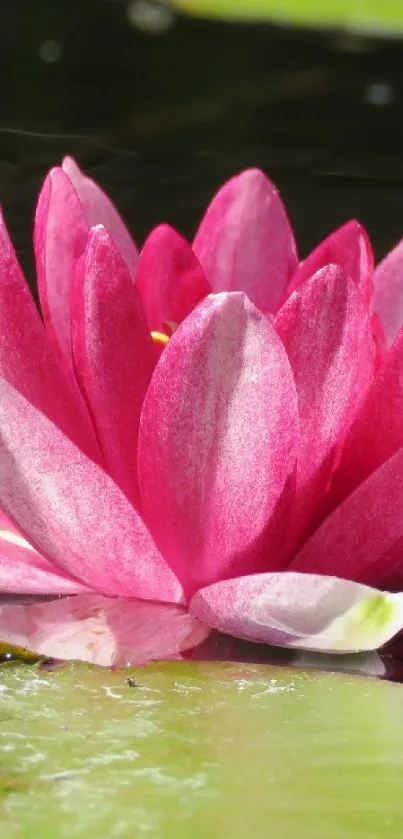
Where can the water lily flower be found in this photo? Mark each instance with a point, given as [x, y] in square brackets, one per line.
[198, 437]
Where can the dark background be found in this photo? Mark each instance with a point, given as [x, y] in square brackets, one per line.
[160, 120]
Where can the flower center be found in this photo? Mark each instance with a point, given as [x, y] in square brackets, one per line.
[161, 337]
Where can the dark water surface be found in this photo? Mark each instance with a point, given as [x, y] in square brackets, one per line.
[161, 120]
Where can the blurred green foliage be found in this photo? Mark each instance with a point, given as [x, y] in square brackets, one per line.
[383, 16]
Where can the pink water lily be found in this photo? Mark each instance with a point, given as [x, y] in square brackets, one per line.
[198, 436]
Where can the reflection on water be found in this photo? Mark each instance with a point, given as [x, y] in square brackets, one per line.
[218, 647]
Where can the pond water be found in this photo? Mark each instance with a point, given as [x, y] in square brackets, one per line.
[162, 119]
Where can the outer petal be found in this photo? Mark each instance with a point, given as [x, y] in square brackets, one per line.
[106, 631]
[245, 242]
[301, 610]
[169, 278]
[23, 570]
[98, 209]
[114, 355]
[6, 524]
[350, 248]
[60, 238]
[378, 430]
[26, 357]
[218, 440]
[70, 509]
[388, 292]
[327, 334]
[363, 538]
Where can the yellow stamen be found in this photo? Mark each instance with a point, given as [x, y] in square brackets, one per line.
[160, 338]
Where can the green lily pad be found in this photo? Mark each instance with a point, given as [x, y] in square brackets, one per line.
[375, 15]
[198, 749]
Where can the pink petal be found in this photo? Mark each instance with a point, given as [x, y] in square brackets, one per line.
[362, 539]
[98, 209]
[377, 433]
[388, 292]
[26, 358]
[350, 248]
[105, 631]
[379, 339]
[301, 610]
[245, 242]
[218, 441]
[327, 334]
[7, 524]
[23, 570]
[71, 510]
[169, 278]
[60, 238]
[114, 354]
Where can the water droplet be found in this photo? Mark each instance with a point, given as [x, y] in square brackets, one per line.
[50, 51]
[378, 93]
[149, 16]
